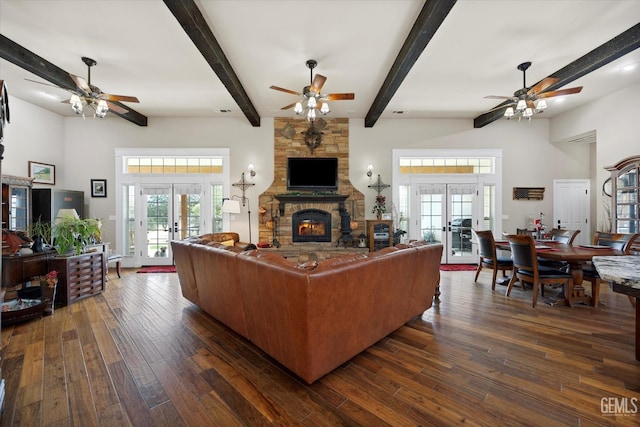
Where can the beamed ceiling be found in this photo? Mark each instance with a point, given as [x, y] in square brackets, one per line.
[403, 59]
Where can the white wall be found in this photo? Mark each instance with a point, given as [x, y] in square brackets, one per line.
[34, 134]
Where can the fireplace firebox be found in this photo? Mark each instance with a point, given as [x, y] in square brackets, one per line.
[311, 225]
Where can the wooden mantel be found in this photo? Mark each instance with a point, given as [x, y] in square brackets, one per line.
[310, 198]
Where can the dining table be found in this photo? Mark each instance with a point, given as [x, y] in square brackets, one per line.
[576, 256]
[623, 273]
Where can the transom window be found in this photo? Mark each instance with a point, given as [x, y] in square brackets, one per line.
[446, 165]
[169, 165]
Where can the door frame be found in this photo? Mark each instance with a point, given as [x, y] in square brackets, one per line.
[122, 180]
[481, 180]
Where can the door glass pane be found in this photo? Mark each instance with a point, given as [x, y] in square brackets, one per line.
[130, 219]
[157, 225]
[431, 217]
[461, 209]
[188, 222]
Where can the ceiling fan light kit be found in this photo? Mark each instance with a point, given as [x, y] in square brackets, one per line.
[527, 102]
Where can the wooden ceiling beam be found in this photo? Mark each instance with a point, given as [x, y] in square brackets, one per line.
[24, 58]
[196, 27]
[615, 48]
[431, 17]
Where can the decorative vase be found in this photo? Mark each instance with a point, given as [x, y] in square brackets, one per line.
[49, 293]
[353, 225]
[378, 216]
[38, 244]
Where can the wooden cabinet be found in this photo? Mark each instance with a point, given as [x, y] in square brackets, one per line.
[625, 197]
[79, 276]
[380, 234]
[17, 269]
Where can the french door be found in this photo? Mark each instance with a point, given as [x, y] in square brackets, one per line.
[169, 212]
[446, 214]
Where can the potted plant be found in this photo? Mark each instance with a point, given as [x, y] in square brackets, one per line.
[72, 234]
[40, 232]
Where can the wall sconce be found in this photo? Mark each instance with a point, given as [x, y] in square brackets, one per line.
[369, 171]
[252, 169]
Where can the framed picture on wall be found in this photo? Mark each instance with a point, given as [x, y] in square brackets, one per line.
[42, 173]
[98, 188]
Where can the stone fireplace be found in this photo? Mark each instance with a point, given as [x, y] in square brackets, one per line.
[283, 213]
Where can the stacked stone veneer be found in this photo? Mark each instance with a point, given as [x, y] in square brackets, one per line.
[335, 144]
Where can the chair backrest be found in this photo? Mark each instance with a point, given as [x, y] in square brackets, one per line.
[564, 236]
[523, 252]
[620, 241]
[524, 231]
[486, 243]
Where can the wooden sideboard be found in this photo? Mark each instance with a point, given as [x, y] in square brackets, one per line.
[79, 276]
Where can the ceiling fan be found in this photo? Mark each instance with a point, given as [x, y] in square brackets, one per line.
[87, 94]
[312, 98]
[527, 101]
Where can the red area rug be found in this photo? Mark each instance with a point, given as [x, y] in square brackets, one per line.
[458, 267]
[158, 269]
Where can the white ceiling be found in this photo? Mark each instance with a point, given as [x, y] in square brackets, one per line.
[142, 51]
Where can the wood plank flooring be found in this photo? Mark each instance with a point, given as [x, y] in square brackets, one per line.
[140, 354]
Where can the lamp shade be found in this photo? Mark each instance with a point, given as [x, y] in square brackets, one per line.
[231, 206]
[64, 213]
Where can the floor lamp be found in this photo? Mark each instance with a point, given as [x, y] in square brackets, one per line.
[233, 206]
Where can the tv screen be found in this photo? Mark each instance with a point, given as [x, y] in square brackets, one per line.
[312, 173]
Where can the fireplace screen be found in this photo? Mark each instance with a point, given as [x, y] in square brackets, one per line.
[311, 225]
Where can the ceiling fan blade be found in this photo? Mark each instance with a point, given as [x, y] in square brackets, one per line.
[81, 83]
[125, 98]
[286, 107]
[510, 98]
[281, 89]
[318, 82]
[43, 83]
[542, 85]
[116, 108]
[339, 96]
[560, 92]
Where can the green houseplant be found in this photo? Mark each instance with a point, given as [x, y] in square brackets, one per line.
[73, 234]
[40, 232]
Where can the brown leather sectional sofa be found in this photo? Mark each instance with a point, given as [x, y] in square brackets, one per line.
[311, 317]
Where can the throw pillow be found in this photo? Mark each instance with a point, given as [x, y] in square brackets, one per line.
[228, 242]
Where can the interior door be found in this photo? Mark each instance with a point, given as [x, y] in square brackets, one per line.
[571, 208]
[172, 212]
[447, 215]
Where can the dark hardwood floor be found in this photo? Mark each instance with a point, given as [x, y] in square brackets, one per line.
[140, 354]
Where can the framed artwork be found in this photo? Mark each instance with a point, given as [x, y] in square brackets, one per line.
[98, 188]
[42, 173]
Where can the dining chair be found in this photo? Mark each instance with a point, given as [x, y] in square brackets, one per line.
[560, 235]
[527, 270]
[620, 241]
[488, 256]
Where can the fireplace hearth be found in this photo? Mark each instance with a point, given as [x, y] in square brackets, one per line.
[311, 225]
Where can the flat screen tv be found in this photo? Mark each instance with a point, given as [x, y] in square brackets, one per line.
[312, 174]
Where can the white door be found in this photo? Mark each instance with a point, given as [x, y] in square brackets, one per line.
[171, 212]
[571, 208]
[447, 214]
